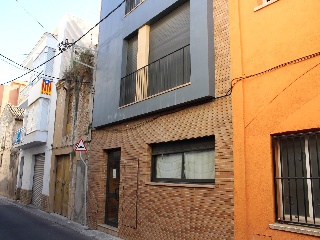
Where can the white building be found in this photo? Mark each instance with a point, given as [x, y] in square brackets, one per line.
[39, 100]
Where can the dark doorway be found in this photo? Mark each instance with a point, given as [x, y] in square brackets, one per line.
[112, 195]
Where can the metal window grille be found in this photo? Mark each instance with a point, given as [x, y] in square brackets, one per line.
[166, 73]
[297, 178]
[131, 4]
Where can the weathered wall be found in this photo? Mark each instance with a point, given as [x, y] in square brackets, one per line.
[9, 167]
[283, 100]
[64, 142]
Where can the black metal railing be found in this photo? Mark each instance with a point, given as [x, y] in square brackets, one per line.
[131, 4]
[166, 73]
[297, 178]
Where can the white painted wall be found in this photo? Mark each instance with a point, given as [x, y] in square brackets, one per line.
[28, 168]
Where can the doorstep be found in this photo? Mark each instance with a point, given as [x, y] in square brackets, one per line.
[108, 229]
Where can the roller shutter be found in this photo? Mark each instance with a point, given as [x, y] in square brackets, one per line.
[169, 51]
[170, 33]
[38, 179]
[132, 55]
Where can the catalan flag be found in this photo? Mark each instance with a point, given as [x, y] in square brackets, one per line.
[46, 86]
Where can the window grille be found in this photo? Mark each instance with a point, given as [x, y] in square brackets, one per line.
[297, 178]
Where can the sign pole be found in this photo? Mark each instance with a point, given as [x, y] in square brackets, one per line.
[81, 147]
[85, 189]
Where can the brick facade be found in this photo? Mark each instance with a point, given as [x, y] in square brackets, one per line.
[44, 203]
[25, 196]
[150, 210]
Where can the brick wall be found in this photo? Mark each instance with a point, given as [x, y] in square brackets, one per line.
[168, 211]
[44, 202]
[25, 196]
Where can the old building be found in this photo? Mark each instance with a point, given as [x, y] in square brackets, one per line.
[10, 122]
[50, 62]
[276, 96]
[73, 123]
[161, 162]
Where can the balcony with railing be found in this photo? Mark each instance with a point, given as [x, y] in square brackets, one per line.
[35, 130]
[163, 75]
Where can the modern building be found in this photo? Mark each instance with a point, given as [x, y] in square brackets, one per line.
[276, 95]
[36, 141]
[10, 121]
[161, 161]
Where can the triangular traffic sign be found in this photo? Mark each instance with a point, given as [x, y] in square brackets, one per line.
[80, 146]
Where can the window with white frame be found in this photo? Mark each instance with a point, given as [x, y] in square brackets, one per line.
[297, 178]
[188, 161]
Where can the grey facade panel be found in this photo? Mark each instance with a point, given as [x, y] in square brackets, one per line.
[112, 57]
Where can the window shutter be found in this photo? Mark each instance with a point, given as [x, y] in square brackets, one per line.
[184, 145]
[33, 112]
[44, 115]
[170, 33]
[132, 55]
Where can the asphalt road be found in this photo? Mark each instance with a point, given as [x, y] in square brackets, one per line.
[16, 224]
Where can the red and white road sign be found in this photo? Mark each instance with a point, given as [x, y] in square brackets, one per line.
[80, 146]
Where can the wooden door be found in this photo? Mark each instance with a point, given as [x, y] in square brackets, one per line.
[61, 197]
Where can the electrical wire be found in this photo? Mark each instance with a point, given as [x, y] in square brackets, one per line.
[313, 67]
[11, 64]
[68, 46]
[30, 70]
[33, 18]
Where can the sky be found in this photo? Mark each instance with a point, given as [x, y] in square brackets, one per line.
[20, 29]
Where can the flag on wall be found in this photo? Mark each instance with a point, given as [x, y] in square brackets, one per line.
[46, 86]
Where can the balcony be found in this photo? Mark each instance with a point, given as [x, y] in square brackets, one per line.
[166, 74]
[35, 130]
[22, 140]
[33, 91]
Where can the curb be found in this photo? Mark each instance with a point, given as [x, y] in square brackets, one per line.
[60, 220]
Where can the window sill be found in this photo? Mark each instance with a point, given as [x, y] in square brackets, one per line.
[295, 229]
[133, 8]
[160, 184]
[264, 5]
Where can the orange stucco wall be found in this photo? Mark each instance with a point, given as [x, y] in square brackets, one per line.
[10, 93]
[283, 100]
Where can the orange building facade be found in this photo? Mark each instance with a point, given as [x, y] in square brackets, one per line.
[10, 93]
[276, 109]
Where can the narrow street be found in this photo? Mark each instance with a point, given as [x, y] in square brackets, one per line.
[16, 224]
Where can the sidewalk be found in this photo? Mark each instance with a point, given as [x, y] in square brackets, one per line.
[63, 221]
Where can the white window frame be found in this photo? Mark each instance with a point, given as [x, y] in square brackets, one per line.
[279, 191]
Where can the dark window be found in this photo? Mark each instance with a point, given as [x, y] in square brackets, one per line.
[188, 161]
[169, 59]
[131, 4]
[297, 172]
[69, 111]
